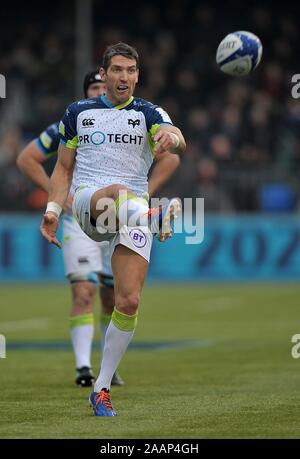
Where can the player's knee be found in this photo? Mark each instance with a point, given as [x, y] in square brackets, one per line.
[128, 304]
[117, 189]
[83, 298]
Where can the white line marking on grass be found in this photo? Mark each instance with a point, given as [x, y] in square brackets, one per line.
[25, 324]
[219, 304]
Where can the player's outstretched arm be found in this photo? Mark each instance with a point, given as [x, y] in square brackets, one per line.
[60, 182]
[169, 138]
[30, 162]
[164, 167]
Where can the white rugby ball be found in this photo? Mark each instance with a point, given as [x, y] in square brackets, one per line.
[239, 53]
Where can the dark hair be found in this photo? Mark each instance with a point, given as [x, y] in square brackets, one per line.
[90, 78]
[120, 49]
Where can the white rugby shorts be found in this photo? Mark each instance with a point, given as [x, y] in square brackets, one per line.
[81, 254]
[138, 239]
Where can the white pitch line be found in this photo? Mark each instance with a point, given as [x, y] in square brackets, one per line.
[218, 304]
[24, 324]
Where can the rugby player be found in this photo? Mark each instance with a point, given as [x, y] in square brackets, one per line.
[86, 261]
[111, 156]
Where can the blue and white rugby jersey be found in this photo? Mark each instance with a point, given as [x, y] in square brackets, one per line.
[48, 140]
[114, 143]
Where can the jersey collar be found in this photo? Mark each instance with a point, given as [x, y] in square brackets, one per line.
[118, 107]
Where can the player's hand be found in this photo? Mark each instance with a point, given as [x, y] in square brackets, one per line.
[49, 227]
[165, 141]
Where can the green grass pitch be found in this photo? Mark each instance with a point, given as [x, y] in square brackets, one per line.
[206, 362]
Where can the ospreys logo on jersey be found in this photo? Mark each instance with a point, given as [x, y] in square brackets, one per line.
[134, 123]
[87, 122]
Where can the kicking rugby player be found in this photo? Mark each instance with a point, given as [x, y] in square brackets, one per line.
[111, 157]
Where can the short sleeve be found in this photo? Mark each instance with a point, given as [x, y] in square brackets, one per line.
[155, 117]
[48, 140]
[68, 128]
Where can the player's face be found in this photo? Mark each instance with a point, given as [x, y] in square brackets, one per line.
[96, 90]
[120, 78]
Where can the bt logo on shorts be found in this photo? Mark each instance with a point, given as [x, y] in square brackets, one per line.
[99, 137]
[138, 238]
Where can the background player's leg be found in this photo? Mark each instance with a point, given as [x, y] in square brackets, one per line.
[81, 264]
[129, 271]
[107, 298]
[82, 329]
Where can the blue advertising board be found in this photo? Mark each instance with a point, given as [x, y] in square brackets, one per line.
[24, 254]
[234, 248]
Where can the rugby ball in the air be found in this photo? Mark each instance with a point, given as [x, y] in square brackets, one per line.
[239, 53]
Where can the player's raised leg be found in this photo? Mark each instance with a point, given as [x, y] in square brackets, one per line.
[132, 210]
[125, 206]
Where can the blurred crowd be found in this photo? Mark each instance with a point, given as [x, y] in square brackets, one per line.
[243, 134]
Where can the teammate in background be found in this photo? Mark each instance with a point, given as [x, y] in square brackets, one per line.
[87, 263]
[112, 157]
